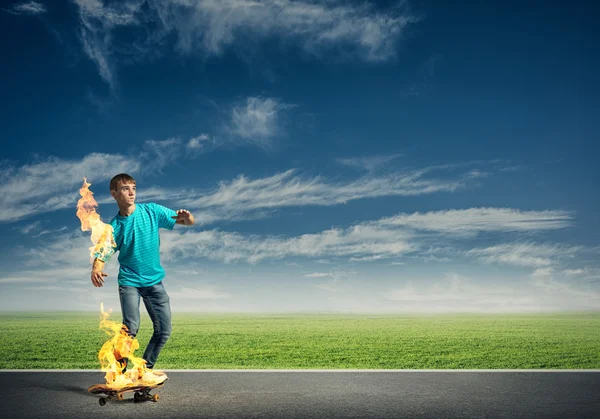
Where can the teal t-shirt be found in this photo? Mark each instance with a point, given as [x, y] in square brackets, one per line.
[138, 243]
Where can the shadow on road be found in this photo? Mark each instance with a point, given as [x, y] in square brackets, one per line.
[46, 385]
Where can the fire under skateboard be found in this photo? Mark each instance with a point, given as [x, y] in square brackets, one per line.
[141, 393]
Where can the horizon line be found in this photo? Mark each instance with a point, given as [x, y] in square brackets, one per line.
[595, 370]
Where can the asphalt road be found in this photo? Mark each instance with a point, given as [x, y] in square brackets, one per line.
[313, 394]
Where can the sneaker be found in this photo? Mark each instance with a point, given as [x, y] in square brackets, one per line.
[150, 377]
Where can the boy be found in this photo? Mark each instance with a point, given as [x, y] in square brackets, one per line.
[140, 272]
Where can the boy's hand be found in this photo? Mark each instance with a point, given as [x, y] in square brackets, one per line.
[98, 278]
[184, 217]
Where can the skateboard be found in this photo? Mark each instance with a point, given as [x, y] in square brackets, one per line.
[141, 393]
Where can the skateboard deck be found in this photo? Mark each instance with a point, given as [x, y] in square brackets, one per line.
[141, 393]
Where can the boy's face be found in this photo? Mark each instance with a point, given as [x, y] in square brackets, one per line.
[125, 194]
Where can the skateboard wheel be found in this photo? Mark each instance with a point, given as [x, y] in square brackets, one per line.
[102, 401]
[155, 398]
[136, 397]
[119, 396]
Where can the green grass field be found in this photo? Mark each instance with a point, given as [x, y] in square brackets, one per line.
[72, 340]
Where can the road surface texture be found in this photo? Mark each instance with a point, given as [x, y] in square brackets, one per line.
[313, 394]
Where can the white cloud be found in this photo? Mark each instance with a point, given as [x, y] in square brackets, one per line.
[367, 258]
[196, 145]
[208, 27]
[27, 8]
[473, 220]
[527, 254]
[317, 275]
[195, 142]
[257, 120]
[573, 272]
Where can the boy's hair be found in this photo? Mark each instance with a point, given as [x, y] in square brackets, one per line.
[123, 178]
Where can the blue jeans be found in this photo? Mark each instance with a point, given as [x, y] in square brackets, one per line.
[157, 304]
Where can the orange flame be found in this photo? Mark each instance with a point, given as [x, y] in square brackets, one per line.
[118, 347]
[102, 234]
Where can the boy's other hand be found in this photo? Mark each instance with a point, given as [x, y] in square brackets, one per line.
[183, 217]
[98, 278]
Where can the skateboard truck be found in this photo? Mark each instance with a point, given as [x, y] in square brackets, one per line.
[141, 393]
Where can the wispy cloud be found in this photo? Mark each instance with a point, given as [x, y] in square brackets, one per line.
[239, 197]
[52, 184]
[459, 293]
[51, 231]
[68, 274]
[316, 26]
[338, 286]
[65, 256]
[97, 24]
[159, 153]
[208, 27]
[30, 227]
[69, 250]
[588, 274]
[369, 163]
[545, 278]
[233, 247]
[23, 278]
[317, 275]
[425, 74]
[366, 241]
[27, 8]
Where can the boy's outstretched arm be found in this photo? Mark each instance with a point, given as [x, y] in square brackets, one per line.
[184, 217]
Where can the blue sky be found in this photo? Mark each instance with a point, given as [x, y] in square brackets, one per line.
[359, 157]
